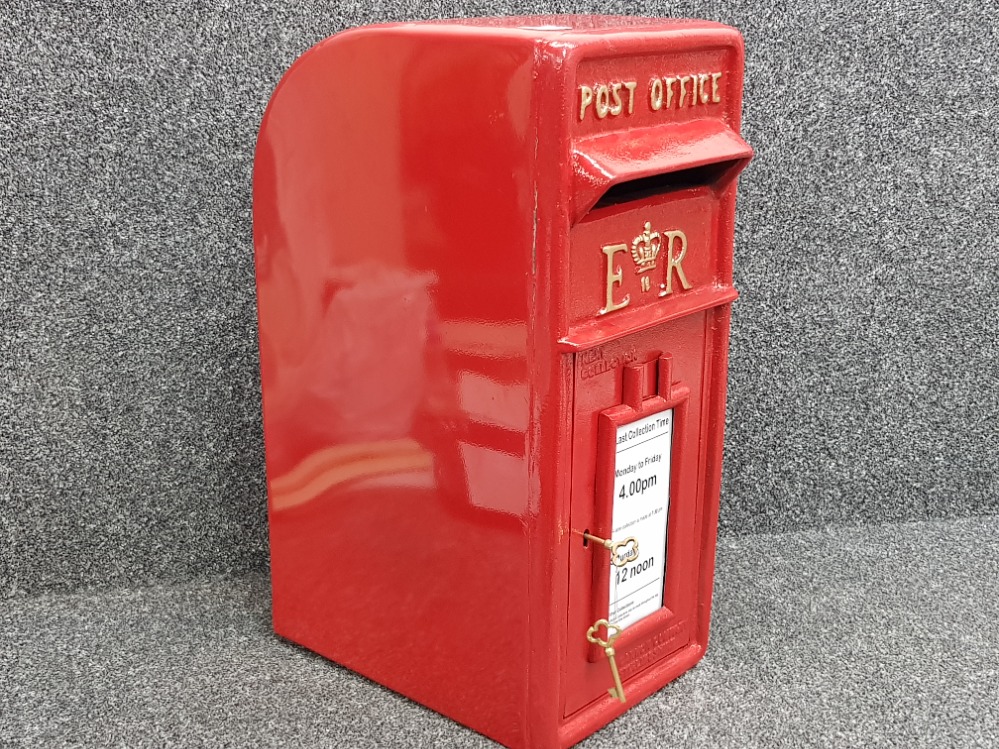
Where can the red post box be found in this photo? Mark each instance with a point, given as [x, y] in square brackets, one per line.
[494, 269]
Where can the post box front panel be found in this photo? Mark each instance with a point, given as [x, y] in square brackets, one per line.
[655, 150]
[636, 467]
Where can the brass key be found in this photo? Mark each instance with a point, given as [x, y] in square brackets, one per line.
[617, 558]
[613, 631]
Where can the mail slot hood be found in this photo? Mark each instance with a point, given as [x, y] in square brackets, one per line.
[655, 158]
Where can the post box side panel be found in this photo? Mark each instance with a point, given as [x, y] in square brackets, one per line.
[393, 227]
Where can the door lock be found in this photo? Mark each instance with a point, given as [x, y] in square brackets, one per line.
[622, 552]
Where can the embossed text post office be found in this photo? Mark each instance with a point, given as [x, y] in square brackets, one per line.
[494, 270]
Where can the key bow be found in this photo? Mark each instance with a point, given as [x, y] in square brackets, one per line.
[613, 632]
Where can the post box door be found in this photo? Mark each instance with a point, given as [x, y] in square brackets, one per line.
[636, 458]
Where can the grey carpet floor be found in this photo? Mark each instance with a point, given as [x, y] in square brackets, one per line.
[882, 636]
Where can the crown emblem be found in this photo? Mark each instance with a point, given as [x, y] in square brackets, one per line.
[645, 248]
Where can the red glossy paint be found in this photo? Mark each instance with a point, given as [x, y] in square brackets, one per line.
[440, 389]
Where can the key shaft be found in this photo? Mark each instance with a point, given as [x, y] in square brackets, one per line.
[618, 690]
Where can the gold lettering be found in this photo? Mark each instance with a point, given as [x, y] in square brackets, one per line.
[673, 263]
[669, 90]
[616, 95]
[585, 99]
[631, 86]
[656, 94]
[684, 79]
[714, 87]
[608, 99]
[603, 101]
[614, 278]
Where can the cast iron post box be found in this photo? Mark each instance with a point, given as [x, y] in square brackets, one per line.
[494, 270]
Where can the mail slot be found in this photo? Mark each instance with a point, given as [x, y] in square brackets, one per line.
[494, 275]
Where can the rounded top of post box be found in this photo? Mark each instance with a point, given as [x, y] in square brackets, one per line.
[544, 27]
[570, 22]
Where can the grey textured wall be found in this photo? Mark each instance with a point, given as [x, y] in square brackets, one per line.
[863, 384]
